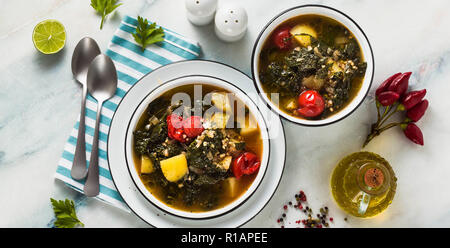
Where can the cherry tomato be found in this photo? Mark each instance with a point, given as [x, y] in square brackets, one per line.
[175, 128]
[193, 126]
[245, 164]
[311, 103]
[283, 38]
[179, 135]
[174, 121]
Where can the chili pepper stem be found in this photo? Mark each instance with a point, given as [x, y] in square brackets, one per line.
[377, 128]
[386, 111]
[397, 109]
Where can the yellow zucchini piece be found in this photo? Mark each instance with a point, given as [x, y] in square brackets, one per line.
[299, 30]
[146, 165]
[219, 120]
[174, 168]
[221, 101]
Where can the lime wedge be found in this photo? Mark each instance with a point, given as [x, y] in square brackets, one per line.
[49, 36]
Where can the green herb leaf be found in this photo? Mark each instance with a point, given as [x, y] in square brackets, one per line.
[65, 214]
[104, 8]
[147, 34]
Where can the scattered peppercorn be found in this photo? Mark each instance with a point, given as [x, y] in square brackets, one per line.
[309, 222]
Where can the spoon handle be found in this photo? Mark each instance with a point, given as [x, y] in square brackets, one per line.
[92, 185]
[79, 170]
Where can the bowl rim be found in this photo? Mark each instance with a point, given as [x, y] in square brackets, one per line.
[176, 64]
[181, 213]
[277, 110]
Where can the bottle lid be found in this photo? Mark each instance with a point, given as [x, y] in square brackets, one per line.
[374, 177]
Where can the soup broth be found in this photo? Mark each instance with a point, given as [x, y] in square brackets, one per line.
[315, 64]
[209, 180]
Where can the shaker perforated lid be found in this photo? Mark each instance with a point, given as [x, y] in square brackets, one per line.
[201, 12]
[231, 22]
[201, 7]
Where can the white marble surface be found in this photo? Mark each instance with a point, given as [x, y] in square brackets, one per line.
[39, 102]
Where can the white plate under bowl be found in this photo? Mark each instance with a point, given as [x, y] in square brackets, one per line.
[197, 80]
[117, 159]
[346, 21]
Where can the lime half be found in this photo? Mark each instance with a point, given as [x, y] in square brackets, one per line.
[49, 36]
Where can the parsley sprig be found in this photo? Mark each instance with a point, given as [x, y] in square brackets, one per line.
[147, 34]
[65, 214]
[104, 8]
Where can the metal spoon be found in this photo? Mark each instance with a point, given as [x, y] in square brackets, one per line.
[102, 85]
[85, 51]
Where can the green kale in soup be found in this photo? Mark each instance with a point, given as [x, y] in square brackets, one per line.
[204, 183]
[327, 60]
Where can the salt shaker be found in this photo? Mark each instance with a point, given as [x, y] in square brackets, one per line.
[231, 22]
[201, 12]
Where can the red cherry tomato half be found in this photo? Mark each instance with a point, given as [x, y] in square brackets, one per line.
[193, 126]
[174, 121]
[245, 164]
[175, 128]
[311, 103]
[283, 38]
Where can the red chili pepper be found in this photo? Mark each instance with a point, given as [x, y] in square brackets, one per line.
[193, 126]
[416, 112]
[400, 83]
[413, 132]
[385, 85]
[412, 98]
[245, 164]
[311, 103]
[388, 98]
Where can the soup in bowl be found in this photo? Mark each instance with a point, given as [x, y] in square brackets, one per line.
[313, 65]
[197, 147]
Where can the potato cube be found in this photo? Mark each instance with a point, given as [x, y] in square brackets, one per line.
[248, 125]
[231, 185]
[219, 120]
[221, 101]
[302, 34]
[146, 165]
[337, 67]
[174, 168]
[225, 163]
[291, 104]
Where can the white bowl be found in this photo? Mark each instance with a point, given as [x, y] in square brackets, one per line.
[340, 17]
[164, 87]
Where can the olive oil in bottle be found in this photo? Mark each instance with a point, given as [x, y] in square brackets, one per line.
[363, 184]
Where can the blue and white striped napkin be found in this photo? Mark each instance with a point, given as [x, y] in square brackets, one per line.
[131, 64]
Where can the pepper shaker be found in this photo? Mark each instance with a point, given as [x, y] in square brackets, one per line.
[231, 22]
[201, 12]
